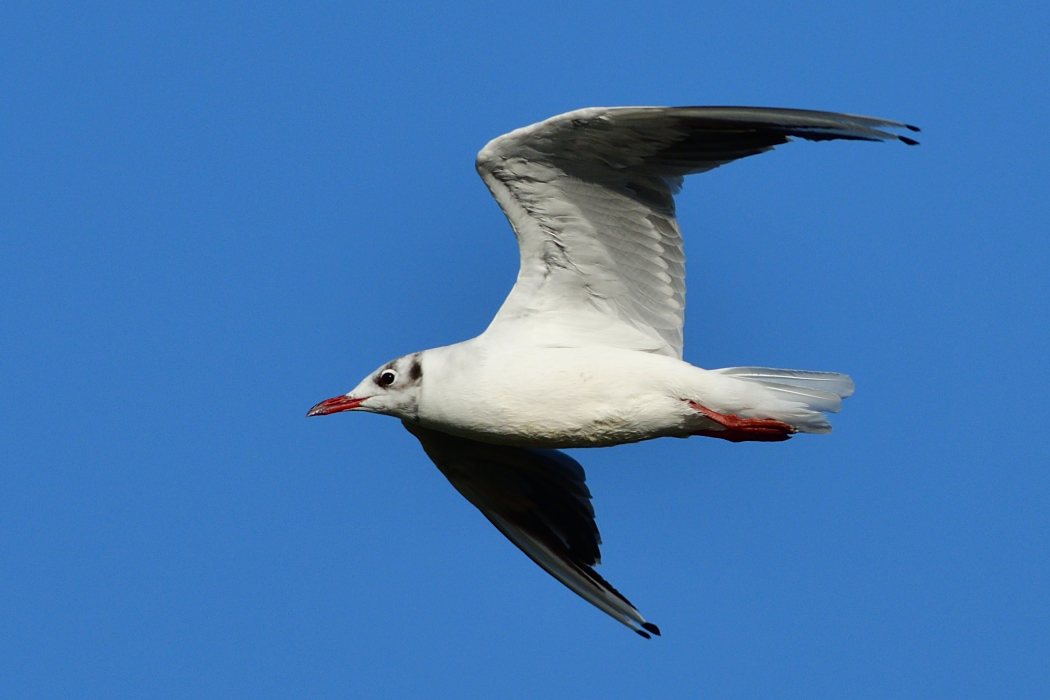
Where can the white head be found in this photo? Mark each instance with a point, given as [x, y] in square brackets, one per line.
[393, 389]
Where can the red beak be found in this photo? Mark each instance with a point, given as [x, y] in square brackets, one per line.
[335, 405]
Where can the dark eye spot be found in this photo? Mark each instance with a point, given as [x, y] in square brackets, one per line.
[386, 378]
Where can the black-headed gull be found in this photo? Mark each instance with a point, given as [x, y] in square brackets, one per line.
[587, 349]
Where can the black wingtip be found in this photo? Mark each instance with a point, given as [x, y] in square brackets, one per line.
[652, 628]
[910, 142]
[913, 127]
[643, 633]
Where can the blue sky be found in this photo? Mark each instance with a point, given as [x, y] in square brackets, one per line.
[214, 215]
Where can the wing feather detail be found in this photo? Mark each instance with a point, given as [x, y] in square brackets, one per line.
[590, 196]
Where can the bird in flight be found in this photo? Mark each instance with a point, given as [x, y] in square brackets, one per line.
[586, 351]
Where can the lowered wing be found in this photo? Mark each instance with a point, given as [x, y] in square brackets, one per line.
[539, 501]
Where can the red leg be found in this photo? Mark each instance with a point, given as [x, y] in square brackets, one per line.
[739, 429]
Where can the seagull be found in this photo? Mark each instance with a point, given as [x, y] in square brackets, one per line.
[586, 351]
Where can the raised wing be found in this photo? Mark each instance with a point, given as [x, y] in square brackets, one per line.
[589, 195]
[539, 501]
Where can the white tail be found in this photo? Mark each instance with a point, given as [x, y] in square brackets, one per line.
[798, 397]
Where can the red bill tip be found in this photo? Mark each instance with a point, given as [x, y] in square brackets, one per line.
[334, 405]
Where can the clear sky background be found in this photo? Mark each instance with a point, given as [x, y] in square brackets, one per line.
[214, 215]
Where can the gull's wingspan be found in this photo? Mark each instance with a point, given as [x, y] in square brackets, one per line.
[589, 195]
[539, 500]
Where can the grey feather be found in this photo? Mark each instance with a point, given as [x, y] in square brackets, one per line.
[590, 196]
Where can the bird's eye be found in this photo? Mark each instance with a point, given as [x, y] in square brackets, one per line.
[386, 378]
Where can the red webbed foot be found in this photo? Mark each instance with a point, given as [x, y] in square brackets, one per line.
[739, 429]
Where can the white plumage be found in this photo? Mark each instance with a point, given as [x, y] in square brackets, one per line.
[586, 350]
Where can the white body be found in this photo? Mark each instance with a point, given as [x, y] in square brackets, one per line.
[583, 397]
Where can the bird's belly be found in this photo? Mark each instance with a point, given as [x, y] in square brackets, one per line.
[525, 427]
[562, 405]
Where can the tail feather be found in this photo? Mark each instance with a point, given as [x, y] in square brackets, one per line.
[798, 397]
[829, 382]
